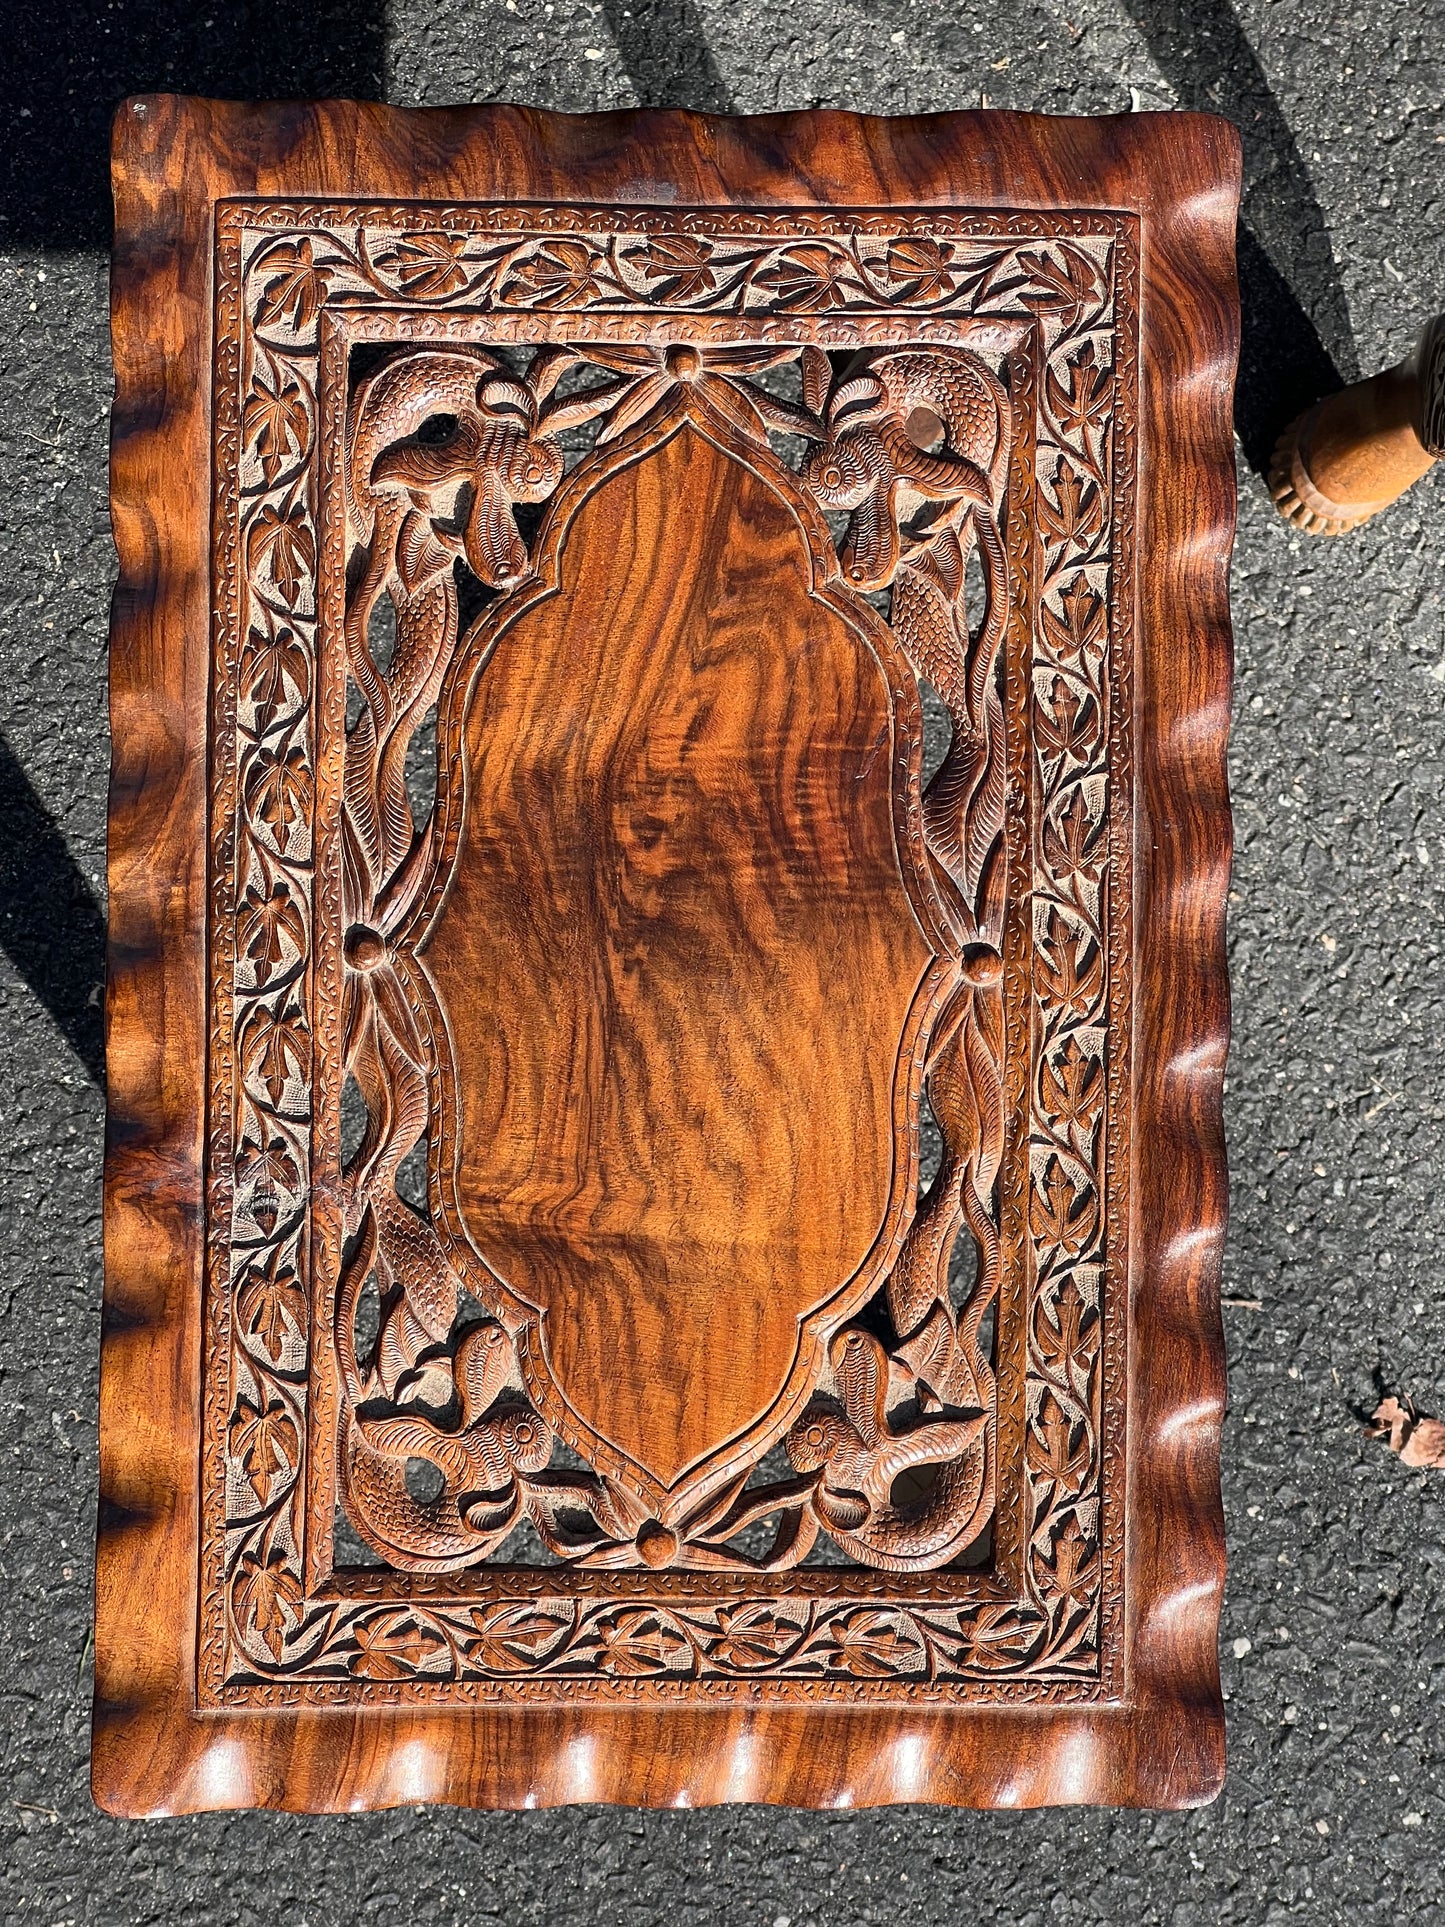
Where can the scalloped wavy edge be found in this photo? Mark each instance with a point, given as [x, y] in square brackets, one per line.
[1161, 1744]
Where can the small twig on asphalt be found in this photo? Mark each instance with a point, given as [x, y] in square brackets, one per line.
[29, 1806]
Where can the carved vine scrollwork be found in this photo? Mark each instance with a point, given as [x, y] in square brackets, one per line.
[913, 514]
[912, 442]
[442, 443]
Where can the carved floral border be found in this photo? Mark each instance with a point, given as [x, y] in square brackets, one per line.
[266, 1636]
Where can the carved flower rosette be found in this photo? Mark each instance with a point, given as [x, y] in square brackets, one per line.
[407, 1495]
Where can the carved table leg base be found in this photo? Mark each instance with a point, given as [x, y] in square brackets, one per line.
[1354, 453]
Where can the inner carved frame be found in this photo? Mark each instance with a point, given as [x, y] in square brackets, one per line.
[1028, 1070]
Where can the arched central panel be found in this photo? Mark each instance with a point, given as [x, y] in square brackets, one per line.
[677, 955]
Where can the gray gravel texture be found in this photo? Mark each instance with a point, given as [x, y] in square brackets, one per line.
[1334, 1632]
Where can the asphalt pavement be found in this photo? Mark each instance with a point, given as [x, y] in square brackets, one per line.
[1334, 1631]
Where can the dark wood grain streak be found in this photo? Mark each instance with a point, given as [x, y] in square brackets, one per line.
[1159, 1741]
[667, 864]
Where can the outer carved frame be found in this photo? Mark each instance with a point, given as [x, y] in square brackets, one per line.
[1158, 1739]
[1046, 1622]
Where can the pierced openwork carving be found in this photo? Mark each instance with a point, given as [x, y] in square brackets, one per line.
[511, 433]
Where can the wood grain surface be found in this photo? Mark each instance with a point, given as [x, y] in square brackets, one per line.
[675, 946]
[1151, 1732]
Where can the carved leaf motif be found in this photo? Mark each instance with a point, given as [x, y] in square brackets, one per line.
[638, 1642]
[278, 674]
[1070, 966]
[924, 263]
[1073, 510]
[679, 262]
[751, 1635]
[583, 405]
[1061, 1342]
[736, 402]
[276, 425]
[868, 1645]
[510, 1638]
[266, 1593]
[285, 543]
[298, 290]
[560, 274]
[1071, 1577]
[428, 266]
[266, 1442]
[1066, 726]
[274, 1049]
[278, 793]
[1061, 1212]
[270, 1166]
[1081, 399]
[817, 376]
[392, 1647]
[1074, 841]
[1082, 628]
[271, 1299]
[1072, 1086]
[1063, 282]
[265, 925]
[992, 1636]
[810, 276]
[1052, 1452]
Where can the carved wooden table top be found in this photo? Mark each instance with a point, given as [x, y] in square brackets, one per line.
[667, 997]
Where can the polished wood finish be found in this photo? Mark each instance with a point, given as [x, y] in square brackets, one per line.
[1354, 453]
[668, 461]
[679, 886]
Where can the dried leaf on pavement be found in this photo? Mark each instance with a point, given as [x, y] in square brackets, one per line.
[1419, 1441]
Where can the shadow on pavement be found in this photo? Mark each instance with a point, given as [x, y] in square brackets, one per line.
[51, 926]
[1288, 356]
[69, 63]
[663, 46]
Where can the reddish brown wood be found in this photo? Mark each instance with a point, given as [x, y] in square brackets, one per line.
[711, 939]
[658, 983]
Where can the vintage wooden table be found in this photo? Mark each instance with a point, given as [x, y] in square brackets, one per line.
[667, 996]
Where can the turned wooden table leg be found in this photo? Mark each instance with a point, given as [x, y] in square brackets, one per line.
[1352, 454]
